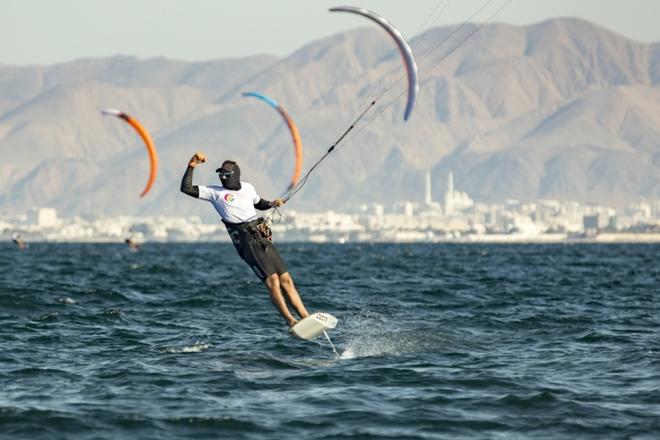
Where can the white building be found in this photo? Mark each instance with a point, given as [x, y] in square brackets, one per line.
[455, 201]
[44, 217]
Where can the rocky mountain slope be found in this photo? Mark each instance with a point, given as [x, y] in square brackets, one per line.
[561, 109]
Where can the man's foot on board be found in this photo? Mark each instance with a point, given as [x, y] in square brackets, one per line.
[292, 323]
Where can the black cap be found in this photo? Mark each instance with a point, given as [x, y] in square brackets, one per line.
[227, 166]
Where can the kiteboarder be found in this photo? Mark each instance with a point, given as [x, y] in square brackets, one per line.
[236, 202]
[133, 244]
[18, 241]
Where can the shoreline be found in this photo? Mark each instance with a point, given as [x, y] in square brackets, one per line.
[467, 239]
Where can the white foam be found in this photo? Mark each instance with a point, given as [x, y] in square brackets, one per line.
[197, 347]
[393, 343]
[348, 354]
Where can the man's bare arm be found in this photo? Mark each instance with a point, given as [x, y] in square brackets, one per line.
[186, 183]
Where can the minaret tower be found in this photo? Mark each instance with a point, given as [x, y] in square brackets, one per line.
[427, 189]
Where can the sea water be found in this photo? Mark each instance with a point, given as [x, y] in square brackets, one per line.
[435, 341]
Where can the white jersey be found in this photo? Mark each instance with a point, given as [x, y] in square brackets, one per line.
[233, 206]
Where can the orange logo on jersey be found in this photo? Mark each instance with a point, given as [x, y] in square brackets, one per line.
[229, 198]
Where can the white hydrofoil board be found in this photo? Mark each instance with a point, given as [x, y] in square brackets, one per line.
[314, 325]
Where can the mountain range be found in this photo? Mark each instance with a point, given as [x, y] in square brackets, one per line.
[561, 109]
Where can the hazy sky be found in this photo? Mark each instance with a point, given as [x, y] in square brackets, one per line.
[44, 32]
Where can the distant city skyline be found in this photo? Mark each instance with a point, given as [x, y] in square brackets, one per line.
[457, 217]
[38, 32]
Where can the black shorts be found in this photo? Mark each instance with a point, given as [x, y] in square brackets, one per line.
[258, 252]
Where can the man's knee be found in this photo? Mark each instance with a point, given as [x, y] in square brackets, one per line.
[273, 280]
[285, 279]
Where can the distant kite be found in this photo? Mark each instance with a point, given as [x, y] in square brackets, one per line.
[295, 135]
[404, 49]
[151, 149]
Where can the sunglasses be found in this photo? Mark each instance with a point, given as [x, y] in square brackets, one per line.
[225, 173]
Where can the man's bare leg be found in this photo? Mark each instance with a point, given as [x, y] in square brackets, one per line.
[273, 285]
[292, 293]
